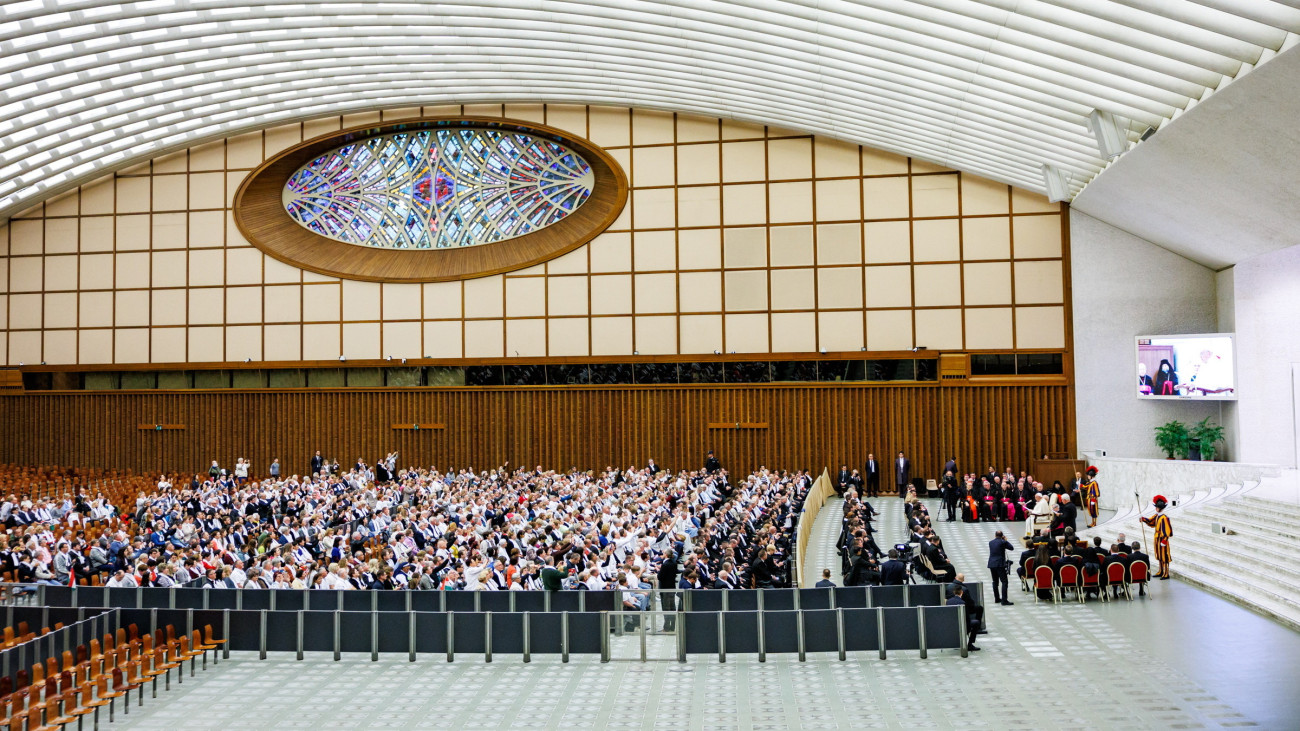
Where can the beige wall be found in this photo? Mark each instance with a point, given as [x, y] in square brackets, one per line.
[735, 238]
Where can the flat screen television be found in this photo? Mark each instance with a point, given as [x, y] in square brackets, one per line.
[1193, 367]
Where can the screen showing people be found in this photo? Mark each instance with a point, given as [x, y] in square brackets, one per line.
[1186, 366]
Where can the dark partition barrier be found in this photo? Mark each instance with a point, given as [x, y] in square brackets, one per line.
[322, 600]
[851, 597]
[318, 631]
[529, 601]
[290, 600]
[124, 598]
[61, 596]
[189, 598]
[742, 600]
[545, 632]
[781, 631]
[777, 599]
[257, 599]
[741, 631]
[821, 631]
[815, 598]
[701, 633]
[943, 630]
[245, 630]
[459, 601]
[90, 596]
[574, 601]
[355, 631]
[704, 601]
[431, 632]
[508, 633]
[469, 633]
[585, 629]
[153, 598]
[394, 631]
[282, 631]
[901, 630]
[392, 601]
[217, 598]
[926, 595]
[861, 631]
[358, 601]
[427, 601]
[888, 596]
[495, 601]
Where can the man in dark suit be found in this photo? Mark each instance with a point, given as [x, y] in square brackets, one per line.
[902, 474]
[316, 462]
[825, 582]
[1121, 546]
[958, 599]
[943, 570]
[950, 465]
[950, 495]
[1137, 555]
[652, 468]
[872, 473]
[893, 572]
[842, 481]
[711, 463]
[998, 565]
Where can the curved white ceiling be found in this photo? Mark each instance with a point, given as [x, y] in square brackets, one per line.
[997, 88]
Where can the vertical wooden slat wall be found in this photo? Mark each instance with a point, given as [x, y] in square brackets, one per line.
[811, 426]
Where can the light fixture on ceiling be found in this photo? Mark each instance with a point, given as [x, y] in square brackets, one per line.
[1057, 182]
[1110, 131]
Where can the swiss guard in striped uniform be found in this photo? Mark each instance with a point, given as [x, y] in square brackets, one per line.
[1091, 495]
[1164, 530]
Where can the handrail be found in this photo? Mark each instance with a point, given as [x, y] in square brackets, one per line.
[821, 489]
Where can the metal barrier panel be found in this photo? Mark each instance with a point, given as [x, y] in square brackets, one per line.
[321, 600]
[177, 618]
[219, 598]
[943, 630]
[976, 589]
[56, 615]
[820, 630]
[256, 599]
[573, 601]
[154, 597]
[901, 630]
[318, 631]
[704, 600]
[394, 630]
[91, 596]
[189, 598]
[780, 631]
[460, 601]
[508, 633]
[392, 601]
[743, 600]
[60, 596]
[358, 601]
[431, 632]
[851, 597]
[742, 632]
[815, 598]
[888, 596]
[282, 631]
[584, 633]
[777, 599]
[529, 601]
[245, 630]
[544, 632]
[426, 601]
[470, 633]
[926, 595]
[861, 632]
[595, 601]
[701, 632]
[355, 631]
[495, 601]
[124, 598]
[289, 600]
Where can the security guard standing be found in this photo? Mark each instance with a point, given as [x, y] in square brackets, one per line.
[1091, 495]
[1164, 531]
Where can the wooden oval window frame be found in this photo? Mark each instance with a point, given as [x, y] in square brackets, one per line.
[262, 219]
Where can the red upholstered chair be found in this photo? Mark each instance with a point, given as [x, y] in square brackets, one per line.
[1115, 577]
[1029, 574]
[1070, 579]
[1045, 580]
[1139, 572]
[1091, 581]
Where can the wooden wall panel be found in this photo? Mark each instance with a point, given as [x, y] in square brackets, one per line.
[811, 426]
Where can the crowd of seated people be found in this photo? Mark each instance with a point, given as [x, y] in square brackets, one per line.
[501, 529]
[1006, 496]
[1091, 563]
[862, 560]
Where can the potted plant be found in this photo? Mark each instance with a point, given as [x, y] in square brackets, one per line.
[1172, 438]
[1206, 434]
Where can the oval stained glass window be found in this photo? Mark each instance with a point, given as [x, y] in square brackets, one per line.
[438, 188]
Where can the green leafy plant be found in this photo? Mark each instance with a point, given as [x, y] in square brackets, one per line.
[1172, 439]
[1207, 435]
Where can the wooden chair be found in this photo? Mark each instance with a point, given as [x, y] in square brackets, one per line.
[120, 688]
[99, 690]
[201, 647]
[208, 639]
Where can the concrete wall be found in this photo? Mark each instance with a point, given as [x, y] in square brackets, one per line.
[1125, 287]
[1266, 311]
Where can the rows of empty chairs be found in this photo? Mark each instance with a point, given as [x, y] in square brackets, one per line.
[61, 690]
